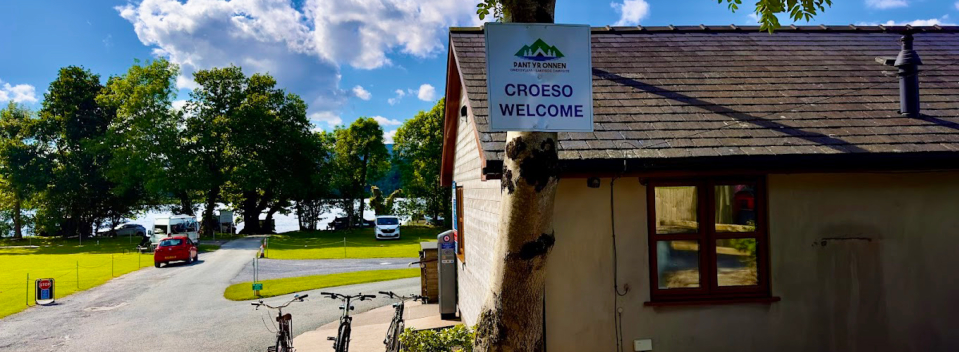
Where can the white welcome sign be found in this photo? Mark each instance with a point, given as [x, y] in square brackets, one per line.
[539, 77]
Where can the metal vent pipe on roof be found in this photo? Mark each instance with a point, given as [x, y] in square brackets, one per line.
[908, 64]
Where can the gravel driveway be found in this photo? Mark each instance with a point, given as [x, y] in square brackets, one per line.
[277, 269]
[176, 308]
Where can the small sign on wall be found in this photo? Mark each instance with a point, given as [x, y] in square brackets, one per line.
[539, 77]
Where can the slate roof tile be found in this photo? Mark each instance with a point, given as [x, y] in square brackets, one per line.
[688, 92]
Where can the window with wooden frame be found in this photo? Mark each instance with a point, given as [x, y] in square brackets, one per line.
[460, 233]
[708, 240]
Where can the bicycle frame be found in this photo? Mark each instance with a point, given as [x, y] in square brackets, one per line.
[397, 325]
[284, 332]
[341, 343]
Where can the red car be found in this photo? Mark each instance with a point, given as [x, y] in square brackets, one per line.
[175, 248]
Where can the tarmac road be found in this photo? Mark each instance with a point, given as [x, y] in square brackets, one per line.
[175, 308]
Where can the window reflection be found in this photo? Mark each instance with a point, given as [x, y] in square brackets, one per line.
[735, 208]
[677, 264]
[676, 210]
[736, 262]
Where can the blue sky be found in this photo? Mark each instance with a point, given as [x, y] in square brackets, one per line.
[346, 58]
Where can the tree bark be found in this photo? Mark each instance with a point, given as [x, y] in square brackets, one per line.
[512, 314]
[251, 215]
[212, 195]
[17, 224]
[186, 204]
[366, 162]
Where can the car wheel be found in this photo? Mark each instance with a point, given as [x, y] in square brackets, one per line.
[196, 257]
[156, 264]
[189, 260]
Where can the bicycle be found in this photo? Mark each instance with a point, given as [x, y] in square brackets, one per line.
[341, 343]
[397, 325]
[284, 334]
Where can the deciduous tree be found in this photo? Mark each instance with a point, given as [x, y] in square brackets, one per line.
[23, 168]
[417, 144]
[361, 158]
[72, 126]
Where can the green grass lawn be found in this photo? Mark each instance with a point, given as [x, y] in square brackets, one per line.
[244, 291]
[94, 263]
[360, 243]
[206, 248]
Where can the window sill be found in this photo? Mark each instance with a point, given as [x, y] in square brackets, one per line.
[714, 301]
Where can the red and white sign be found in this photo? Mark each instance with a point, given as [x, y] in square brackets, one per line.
[45, 292]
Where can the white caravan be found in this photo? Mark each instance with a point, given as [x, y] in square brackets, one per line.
[176, 225]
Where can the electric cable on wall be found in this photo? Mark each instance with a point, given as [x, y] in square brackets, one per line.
[617, 318]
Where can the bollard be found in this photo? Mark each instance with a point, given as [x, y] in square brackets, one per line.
[78, 275]
[344, 247]
[112, 274]
[26, 298]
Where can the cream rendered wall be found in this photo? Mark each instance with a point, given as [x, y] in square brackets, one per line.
[897, 292]
[481, 216]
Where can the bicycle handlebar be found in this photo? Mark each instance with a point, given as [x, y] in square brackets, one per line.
[391, 294]
[295, 298]
[340, 296]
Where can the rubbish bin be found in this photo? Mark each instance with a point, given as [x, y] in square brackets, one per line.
[447, 274]
[429, 272]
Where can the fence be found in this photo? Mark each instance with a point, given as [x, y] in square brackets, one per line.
[327, 245]
[70, 276]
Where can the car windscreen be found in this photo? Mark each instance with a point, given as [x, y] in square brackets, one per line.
[171, 242]
[387, 221]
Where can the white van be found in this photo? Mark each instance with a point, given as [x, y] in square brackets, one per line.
[177, 225]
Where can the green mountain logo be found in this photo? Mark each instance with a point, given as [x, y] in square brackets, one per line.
[539, 51]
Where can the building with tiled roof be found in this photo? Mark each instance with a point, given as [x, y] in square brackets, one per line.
[766, 192]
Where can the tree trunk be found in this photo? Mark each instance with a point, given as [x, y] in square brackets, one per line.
[512, 315]
[211, 197]
[269, 218]
[186, 204]
[366, 162]
[251, 215]
[17, 224]
[300, 217]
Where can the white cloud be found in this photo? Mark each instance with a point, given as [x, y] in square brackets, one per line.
[329, 118]
[179, 104]
[957, 5]
[886, 4]
[399, 96]
[21, 93]
[302, 45]
[387, 122]
[361, 93]
[753, 18]
[388, 136]
[942, 21]
[630, 12]
[362, 32]
[426, 93]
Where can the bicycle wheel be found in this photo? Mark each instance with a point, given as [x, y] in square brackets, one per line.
[397, 331]
[343, 338]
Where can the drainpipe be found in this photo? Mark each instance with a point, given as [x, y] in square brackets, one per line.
[908, 64]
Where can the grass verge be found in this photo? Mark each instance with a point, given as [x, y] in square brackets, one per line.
[243, 291]
[360, 243]
[206, 248]
[74, 267]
